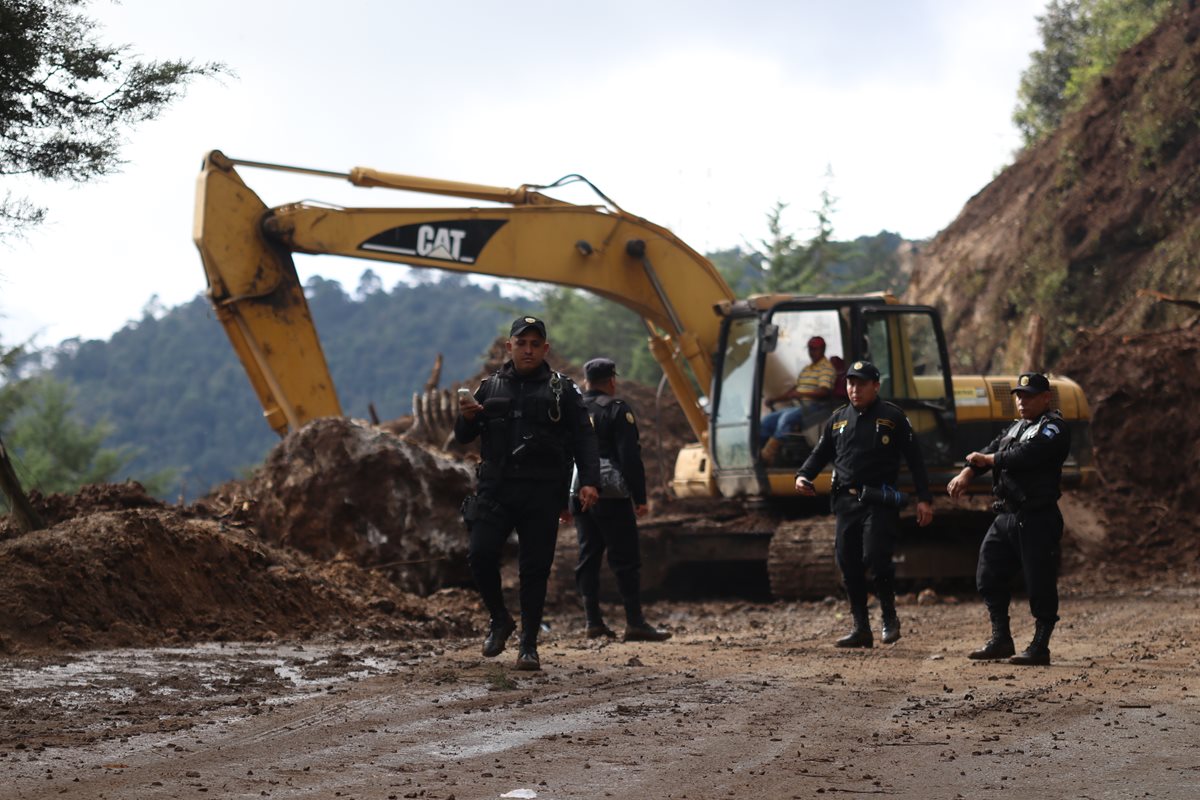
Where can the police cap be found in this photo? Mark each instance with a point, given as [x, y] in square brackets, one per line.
[522, 324]
[599, 369]
[863, 369]
[1032, 383]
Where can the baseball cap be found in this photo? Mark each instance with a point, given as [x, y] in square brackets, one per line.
[600, 369]
[521, 324]
[816, 341]
[1032, 383]
[863, 369]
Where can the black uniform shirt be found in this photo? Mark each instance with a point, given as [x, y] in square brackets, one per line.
[530, 394]
[617, 433]
[865, 448]
[1029, 458]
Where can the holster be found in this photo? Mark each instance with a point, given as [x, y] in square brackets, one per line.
[476, 507]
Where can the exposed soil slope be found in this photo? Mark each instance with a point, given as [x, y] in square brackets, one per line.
[1145, 395]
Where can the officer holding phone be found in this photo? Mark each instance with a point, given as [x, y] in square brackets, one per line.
[865, 440]
[533, 424]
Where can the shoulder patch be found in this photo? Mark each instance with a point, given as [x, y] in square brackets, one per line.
[629, 417]
[1050, 430]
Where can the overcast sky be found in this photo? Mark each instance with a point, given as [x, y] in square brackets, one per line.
[697, 115]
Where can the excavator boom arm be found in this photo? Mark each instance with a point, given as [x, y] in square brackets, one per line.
[246, 248]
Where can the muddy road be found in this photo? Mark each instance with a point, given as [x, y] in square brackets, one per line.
[748, 700]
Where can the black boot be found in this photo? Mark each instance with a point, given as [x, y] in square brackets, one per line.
[645, 632]
[887, 604]
[595, 620]
[629, 582]
[527, 656]
[1000, 645]
[1038, 652]
[494, 644]
[861, 635]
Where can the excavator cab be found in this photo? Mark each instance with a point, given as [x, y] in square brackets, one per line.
[763, 347]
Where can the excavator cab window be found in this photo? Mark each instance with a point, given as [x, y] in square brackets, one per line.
[795, 424]
[735, 395]
[907, 345]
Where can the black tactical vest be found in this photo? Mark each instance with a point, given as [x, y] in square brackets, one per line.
[524, 435]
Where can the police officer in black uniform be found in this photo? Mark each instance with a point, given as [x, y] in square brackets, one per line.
[533, 423]
[612, 523]
[865, 440]
[1026, 464]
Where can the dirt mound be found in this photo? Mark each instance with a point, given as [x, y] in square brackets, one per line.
[95, 497]
[1102, 208]
[1145, 397]
[150, 576]
[339, 489]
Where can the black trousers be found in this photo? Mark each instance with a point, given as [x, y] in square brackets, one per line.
[866, 539]
[531, 508]
[1027, 541]
[611, 526]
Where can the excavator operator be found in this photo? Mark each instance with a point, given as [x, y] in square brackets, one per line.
[533, 424]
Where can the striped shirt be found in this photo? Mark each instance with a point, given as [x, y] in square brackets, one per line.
[816, 376]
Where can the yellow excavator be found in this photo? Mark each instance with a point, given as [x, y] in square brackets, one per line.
[721, 355]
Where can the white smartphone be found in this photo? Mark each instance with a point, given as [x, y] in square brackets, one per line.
[465, 394]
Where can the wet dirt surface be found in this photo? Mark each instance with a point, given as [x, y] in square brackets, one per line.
[748, 700]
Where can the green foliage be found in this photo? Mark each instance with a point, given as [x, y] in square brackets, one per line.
[741, 269]
[795, 268]
[785, 265]
[52, 449]
[1041, 96]
[57, 452]
[67, 101]
[583, 327]
[779, 255]
[178, 398]
[1114, 26]
[1081, 40]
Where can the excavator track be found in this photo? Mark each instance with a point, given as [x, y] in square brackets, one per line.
[800, 559]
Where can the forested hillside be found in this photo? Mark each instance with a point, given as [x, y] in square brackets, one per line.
[173, 389]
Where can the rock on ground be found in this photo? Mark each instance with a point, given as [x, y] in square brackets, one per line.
[339, 489]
